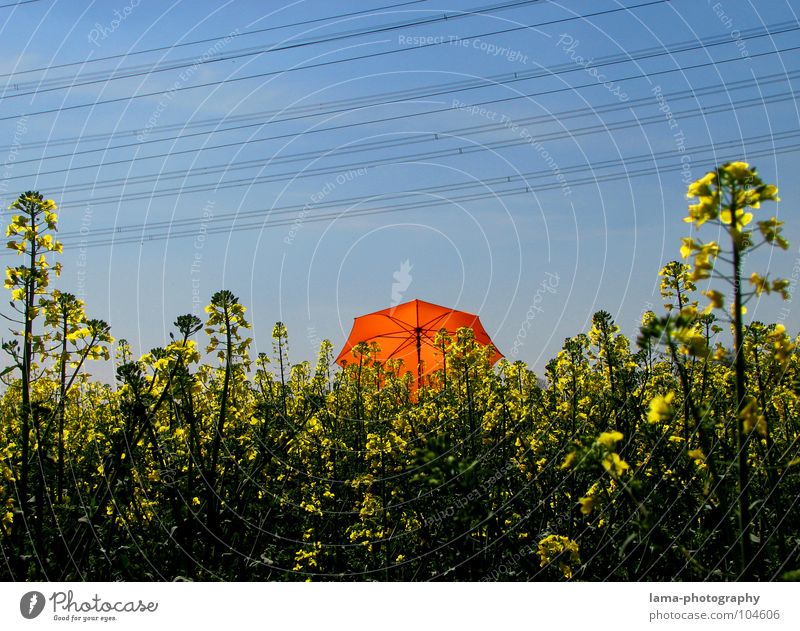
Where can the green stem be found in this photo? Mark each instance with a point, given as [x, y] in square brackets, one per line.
[745, 551]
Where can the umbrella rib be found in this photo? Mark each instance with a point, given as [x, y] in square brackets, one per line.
[441, 316]
[386, 335]
[423, 332]
[401, 336]
[405, 325]
[429, 341]
[401, 347]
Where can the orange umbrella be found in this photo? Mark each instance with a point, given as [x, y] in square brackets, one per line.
[407, 332]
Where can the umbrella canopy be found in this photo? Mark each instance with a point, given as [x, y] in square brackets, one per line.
[407, 331]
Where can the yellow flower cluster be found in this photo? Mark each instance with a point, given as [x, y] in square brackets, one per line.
[562, 551]
[660, 408]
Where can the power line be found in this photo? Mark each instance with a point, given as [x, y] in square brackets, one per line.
[451, 152]
[201, 171]
[203, 41]
[316, 65]
[438, 92]
[329, 107]
[421, 138]
[271, 48]
[18, 4]
[62, 83]
[438, 189]
[335, 106]
[589, 180]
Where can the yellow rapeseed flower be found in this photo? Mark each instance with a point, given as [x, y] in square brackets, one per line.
[587, 504]
[615, 465]
[569, 461]
[660, 408]
[561, 550]
[739, 170]
[742, 218]
[702, 186]
[609, 439]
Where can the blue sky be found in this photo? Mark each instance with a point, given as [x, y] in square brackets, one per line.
[491, 162]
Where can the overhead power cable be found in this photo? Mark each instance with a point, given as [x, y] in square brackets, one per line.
[222, 36]
[42, 86]
[17, 4]
[423, 138]
[441, 90]
[65, 108]
[486, 183]
[204, 171]
[539, 119]
[401, 159]
[353, 214]
[133, 53]
[329, 108]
